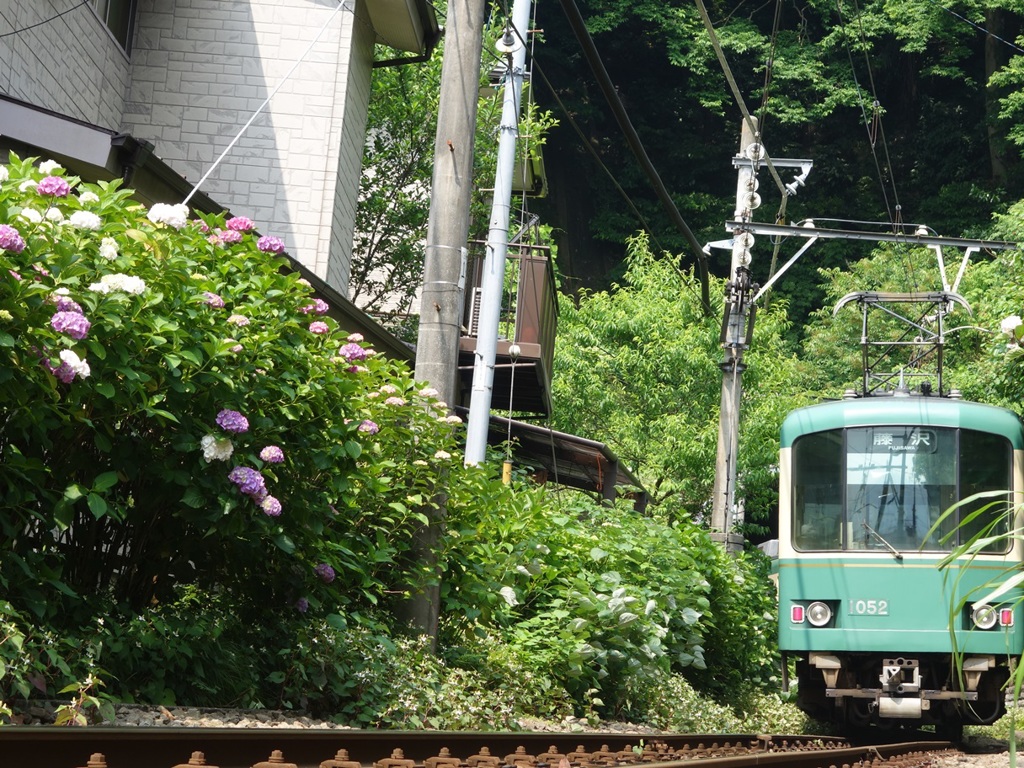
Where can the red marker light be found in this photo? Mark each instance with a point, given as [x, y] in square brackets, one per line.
[796, 614]
[1006, 617]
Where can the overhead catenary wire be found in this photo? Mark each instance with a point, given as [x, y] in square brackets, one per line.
[632, 138]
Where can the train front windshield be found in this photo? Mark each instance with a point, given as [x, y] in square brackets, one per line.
[872, 488]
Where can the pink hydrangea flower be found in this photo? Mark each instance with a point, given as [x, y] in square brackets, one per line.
[53, 186]
[352, 352]
[369, 427]
[271, 506]
[272, 454]
[318, 327]
[319, 307]
[229, 236]
[213, 300]
[240, 224]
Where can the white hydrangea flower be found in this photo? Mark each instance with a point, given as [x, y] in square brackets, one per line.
[443, 455]
[509, 594]
[108, 248]
[4, 173]
[389, 389]
[49, 166]
[119, 282]
[1010, 324]
[453, 419]
[87, 197]
[429, 392]
[85, 220]
[31, 215]
[54, 215]
[75, 363]
[27, 185]
[172, 215]
[215, 449]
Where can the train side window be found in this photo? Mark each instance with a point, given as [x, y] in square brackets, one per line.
[817, 491]
[985, 465]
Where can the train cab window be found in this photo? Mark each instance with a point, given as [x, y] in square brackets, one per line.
[885, 487]
[899, 480]
[818, 496]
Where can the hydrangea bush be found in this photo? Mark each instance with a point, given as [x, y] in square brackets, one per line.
[179, 408]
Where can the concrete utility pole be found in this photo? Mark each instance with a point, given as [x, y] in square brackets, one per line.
[444, 267]
[736, 328]
[493, 280]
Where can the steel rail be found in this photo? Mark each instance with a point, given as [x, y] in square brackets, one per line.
[169, 747]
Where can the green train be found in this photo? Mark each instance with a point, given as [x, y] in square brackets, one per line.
[878, 632]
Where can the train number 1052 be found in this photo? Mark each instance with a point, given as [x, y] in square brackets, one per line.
[869, 607]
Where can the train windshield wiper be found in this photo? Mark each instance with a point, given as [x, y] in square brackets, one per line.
[895, 552]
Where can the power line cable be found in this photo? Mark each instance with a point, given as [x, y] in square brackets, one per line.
[737, 96]
[633, 139]
[45, 21]
[978, 27]
[593, 153]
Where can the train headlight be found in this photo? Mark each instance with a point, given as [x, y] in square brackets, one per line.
[984, 616]
[818, 614]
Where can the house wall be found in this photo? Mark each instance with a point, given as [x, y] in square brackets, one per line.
[202, 68]
[70, 64]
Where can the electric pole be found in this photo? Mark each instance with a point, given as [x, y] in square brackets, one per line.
[737, 327]
[444, 266]
[493, 278]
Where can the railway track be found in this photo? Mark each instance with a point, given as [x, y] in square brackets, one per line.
[106, 747]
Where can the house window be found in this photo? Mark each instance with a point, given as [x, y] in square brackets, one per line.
[119, 16]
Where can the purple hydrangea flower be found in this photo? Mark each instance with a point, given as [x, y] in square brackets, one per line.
[271, 506]
[53, 186]
[229, 236]
[11, 239]
[352, 352]
[232, 421]
[319, 327]
[213, 300]
[302, 605]
[325, 573]
[272, 455]
[369, 427]
[270, 244]
[63, 372]
[250, 482]
[240, 224]
[64, 304]
[74, 324]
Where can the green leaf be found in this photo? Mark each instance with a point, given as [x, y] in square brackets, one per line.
[337, 621]
[104, 481]
[193, 497]
[105, 389]
[284, 543]
[97, 505]
[353, 449]
[6, 340]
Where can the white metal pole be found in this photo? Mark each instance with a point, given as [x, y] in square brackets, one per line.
[492, 281]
